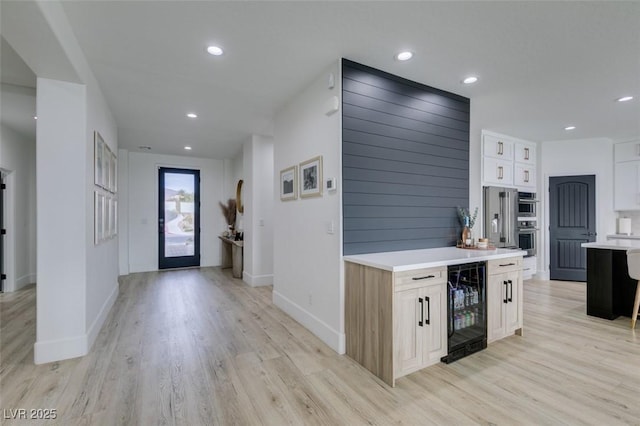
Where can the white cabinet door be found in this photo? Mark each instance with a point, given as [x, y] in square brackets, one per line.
[627, 186]
[627, 151]
[407, 333]
[513, 307]
[496, 300]
[435, 332]
[497, 171]
[525, 153]
[524, 176]
[497, 147]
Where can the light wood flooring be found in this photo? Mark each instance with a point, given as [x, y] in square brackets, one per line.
[197, 347]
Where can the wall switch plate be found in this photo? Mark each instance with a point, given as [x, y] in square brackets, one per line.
[331, 184]
[330, 227]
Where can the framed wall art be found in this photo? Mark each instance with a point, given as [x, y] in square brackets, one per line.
[98, 159]
[311, 178]
[288, 187]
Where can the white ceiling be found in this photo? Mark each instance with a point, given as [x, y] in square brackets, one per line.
[542, 65]
[18, 99]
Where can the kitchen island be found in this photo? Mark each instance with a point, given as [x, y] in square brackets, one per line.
[396, 306]
[610, 290]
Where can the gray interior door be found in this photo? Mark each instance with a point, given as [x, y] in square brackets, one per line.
[572, 221]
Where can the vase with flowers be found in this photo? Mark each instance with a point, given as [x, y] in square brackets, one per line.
[467, 221]
[229, 213]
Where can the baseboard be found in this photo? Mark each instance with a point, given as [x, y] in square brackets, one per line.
[97, 324]
[257, 280]
[73, 347]
[24, 281]
[542, 275]
[331, 337]
[56, 350]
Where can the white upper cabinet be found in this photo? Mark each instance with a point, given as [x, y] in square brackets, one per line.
[627, 151]
[497, 147]
[508, 162]
[525, 153]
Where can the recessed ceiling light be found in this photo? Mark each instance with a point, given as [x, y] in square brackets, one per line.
[188, 148]
[404, 56]
[192, 115]
[470, 80]
[570, 127]
[624, 98]
[35, 117]
[215, 50]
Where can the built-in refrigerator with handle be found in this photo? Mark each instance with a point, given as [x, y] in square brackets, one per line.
[500, 216]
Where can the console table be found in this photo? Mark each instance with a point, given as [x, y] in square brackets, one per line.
[232, 255]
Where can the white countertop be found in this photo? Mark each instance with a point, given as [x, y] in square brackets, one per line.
[614, 244]
[623, 237]
[407, 260]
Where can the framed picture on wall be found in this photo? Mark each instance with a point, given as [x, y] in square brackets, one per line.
[98, 217]
[106, 167]
[98, 159]
[288, 187]
[114, 173]
[311, 177]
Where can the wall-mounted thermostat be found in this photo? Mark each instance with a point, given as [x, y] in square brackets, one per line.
[331, 184]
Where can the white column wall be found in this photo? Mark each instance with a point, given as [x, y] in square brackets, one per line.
[308, 270]
[61, 218]
[257, 220]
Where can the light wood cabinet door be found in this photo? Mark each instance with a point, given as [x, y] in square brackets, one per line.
[407, 333]
[435, 328]
[513, 307]
[496, 301]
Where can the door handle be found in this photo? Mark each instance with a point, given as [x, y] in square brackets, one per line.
[505, 300]
[421, 311]
[161, 225]
[428, 320]
[510, 298]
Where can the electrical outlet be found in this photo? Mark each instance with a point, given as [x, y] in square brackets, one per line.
[330, 227]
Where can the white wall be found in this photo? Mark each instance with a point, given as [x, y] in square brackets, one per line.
[142, 220]
[123, 212]
[573, 158]
[18, 161]
[257, 220]
[62, 203]
[308, 271]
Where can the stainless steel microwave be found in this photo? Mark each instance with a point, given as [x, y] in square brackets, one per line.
[527, 204]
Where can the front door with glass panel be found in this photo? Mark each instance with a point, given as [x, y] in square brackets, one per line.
[179, 218]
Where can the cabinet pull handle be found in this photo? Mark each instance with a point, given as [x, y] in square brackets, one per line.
[507, 264]
[526, 153]
[510, 298]
[500, 148]
[428, 320]
[526, 175]
[423, 278]
[499, 172]
[506, 289]
[421, 312]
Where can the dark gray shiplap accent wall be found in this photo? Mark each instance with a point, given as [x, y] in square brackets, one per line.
[405, 162]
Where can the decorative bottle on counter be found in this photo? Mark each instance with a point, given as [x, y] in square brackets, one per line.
[466, 233]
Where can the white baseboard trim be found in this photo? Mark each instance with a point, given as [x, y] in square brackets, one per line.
[331, 337]
[56, 350]
[25, 280]
[97, 324]
[73, 347]
[257, 280]
[542, 275]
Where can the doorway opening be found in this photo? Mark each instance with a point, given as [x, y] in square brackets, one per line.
[178, 218]
[3, 231]
[572, 221]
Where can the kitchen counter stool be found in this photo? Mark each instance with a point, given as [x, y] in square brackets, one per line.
[633, 263]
